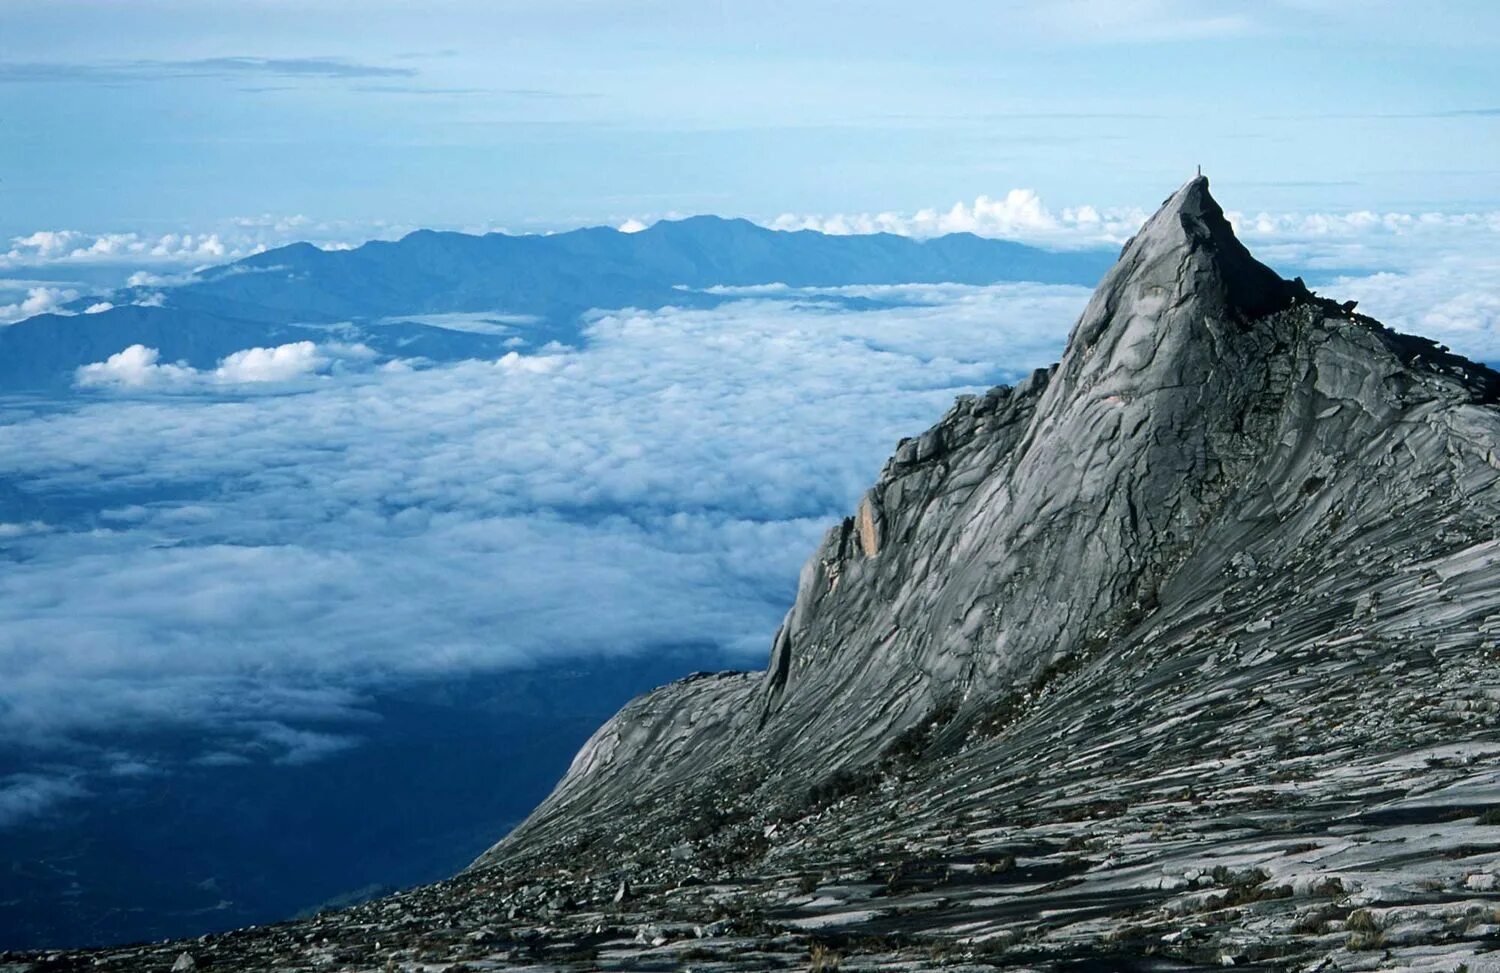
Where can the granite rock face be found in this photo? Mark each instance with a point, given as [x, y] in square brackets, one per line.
[1205, 411]
[1181, 652]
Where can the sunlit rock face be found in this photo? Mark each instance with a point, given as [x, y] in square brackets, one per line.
[1209, 423]
[1182, 651]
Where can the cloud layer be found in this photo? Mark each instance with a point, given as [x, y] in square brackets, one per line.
[27, 795]
[164, 258]
[1020, 215]
[256, 564]
[252, 549]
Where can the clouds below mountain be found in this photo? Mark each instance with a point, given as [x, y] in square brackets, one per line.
[1333, 238]
[1427, 273]
[257, 564]
[1454, 301]
[254, 548]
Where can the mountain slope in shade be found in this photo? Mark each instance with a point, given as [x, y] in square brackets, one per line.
[534, 287]
[1181, 653]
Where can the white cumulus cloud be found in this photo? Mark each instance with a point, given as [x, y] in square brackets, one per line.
[280, 364]
[1019, 214]
[60, 246]
[1454, 300]
[135, 367]
[38, 300]
[141, 367]
[1355, 238]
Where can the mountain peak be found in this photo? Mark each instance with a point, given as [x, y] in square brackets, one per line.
[1179, 323]
[1192, 216]
[1202, 401]
[1187, 264]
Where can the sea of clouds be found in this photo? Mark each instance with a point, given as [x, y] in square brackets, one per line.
[252, 551]
[255, 548]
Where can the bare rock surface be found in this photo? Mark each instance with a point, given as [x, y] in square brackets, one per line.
[1181, 653]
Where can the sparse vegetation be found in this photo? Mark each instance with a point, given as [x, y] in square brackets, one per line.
[1313, 923]
[998, 866]
[839, 785]
[916, 741]
[823, 959]
[1364, 931]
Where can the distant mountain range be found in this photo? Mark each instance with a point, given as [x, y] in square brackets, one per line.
[537, 287]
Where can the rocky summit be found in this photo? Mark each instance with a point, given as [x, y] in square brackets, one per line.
[1180, 653]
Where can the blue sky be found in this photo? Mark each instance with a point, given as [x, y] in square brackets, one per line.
[175, 115]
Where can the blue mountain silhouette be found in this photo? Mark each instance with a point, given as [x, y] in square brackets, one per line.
[541, 283]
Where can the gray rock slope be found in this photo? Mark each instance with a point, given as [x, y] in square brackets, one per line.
[1209, 424]
[1181, 653]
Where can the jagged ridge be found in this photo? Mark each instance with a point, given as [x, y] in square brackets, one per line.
[1202, 402]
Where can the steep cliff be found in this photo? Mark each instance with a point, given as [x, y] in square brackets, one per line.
[1208, 424]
